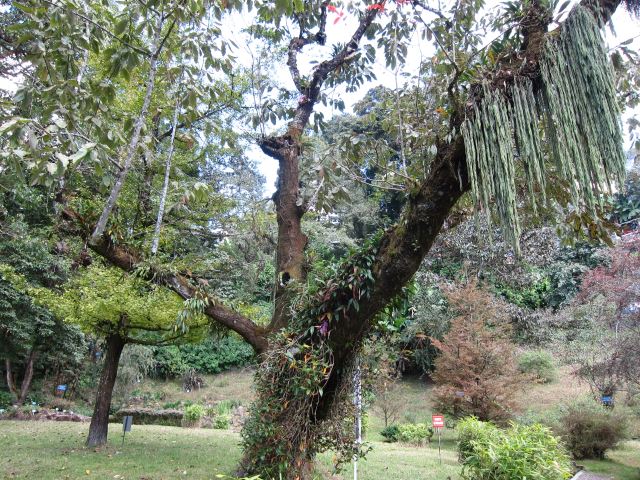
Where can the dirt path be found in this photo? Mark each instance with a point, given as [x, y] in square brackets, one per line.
[590, 476]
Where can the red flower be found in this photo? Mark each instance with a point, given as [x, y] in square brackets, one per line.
[376, 6]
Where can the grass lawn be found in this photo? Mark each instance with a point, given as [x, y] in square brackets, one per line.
[55, 450]
[623, 463]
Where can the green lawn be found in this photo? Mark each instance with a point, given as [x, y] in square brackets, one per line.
[623, 463]
[54, 450]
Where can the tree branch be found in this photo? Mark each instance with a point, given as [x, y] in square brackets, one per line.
[404, 246]
[127, 259]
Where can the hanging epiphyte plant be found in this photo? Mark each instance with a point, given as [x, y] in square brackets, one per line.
[576, 110]
[581, 100]
[490, 152]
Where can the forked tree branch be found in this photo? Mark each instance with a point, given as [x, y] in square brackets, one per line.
[128, 260]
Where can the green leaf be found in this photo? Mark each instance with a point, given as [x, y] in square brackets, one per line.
[11, 123]
[121, 26]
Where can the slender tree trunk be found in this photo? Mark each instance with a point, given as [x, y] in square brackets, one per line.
[20, 394]
[101, 225]
[10, 382]
[28, 376]
[100, 419]
[167, 173]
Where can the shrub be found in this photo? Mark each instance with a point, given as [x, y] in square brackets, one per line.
[169, 361]
[414, 433]
[476, 373]
[472, 432]
[225, 407]
[211, 356]
[193, 414]
[222, 421]
[60, 403]
[149, 416]
[390, 433]
[589, 429]
[488, 453]
[539, 363]
[6, 399]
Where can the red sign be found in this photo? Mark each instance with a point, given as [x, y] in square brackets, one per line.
[437, 421]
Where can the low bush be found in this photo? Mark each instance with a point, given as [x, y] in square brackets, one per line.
[531, 451]
[148, 416]
[60, 403]
[6, 399]
[538, 363]
[193, 414]
[414, 433]
[590, 429]
[390, 433]
[225, 407]
[471, 433]
[222, 421]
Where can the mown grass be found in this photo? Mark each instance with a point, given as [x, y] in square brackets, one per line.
[623, 463]
[50, 450]
[55, 450]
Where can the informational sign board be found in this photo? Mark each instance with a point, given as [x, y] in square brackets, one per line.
[126, 423]
[437, 421]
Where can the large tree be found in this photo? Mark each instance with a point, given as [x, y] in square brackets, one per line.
[484, 97]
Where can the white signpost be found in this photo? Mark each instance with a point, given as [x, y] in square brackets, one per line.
[437, 421]
[357, 401]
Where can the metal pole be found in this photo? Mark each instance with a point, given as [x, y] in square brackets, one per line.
[439, 452]
[357, 401]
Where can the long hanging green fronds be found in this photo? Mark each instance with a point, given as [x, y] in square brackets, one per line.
[577, 113]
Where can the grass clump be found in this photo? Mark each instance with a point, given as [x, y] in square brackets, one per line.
[590, 429]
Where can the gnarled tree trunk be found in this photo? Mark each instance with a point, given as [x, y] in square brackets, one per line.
[99, 426]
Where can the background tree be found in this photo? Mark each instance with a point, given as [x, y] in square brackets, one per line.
[34, 340]
[121, 311]
[599, 333]
[476, 372]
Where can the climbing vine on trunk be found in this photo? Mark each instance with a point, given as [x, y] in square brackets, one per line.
[304, 394]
